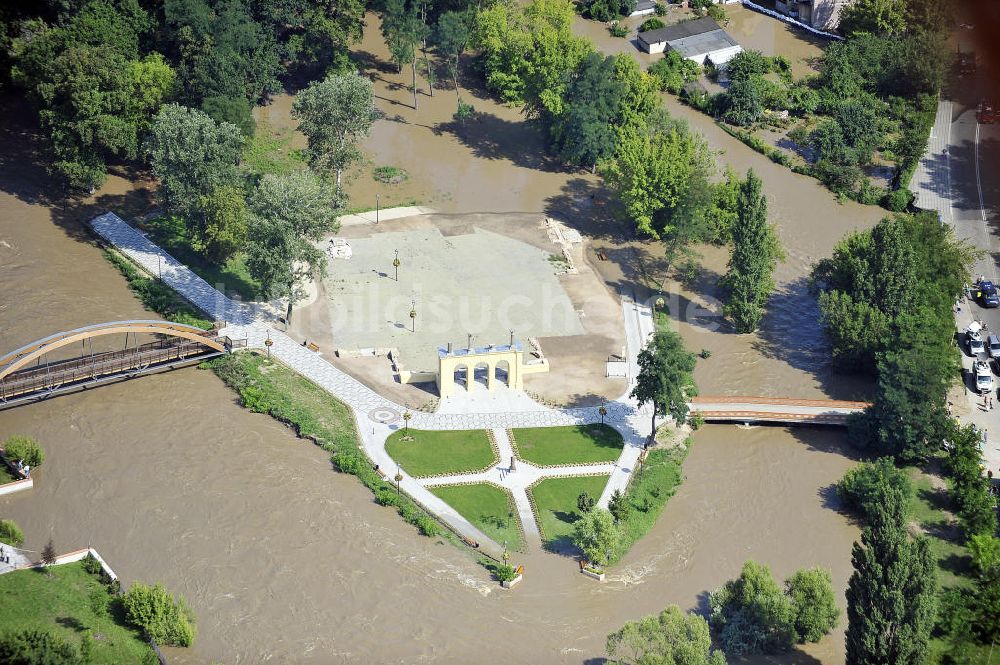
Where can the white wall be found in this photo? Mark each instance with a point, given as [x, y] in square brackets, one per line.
[719, 57]
[654, 48]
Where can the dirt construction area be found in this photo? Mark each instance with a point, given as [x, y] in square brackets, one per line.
[478, 274]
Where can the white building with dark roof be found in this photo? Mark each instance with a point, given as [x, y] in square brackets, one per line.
[698, 40]
[644, 8]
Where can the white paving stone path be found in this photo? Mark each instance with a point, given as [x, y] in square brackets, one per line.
[377, 417]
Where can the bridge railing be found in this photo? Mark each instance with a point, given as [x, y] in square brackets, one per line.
[90, 367]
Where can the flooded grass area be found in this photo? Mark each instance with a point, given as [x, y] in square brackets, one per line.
[489, 508]
[435, 453]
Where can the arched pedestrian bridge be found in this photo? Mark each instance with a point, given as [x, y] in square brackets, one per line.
[780, 410]
[30, 373]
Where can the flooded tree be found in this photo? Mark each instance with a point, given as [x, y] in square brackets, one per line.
[665, 379]
[670, 637]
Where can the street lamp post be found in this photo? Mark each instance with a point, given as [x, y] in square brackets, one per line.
[603, 411]
[376, 209]
[413, 316]
[398, 479]
[395, 264]
[406, 420]
[268, 343]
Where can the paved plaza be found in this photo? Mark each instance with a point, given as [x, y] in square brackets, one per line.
[479, 283]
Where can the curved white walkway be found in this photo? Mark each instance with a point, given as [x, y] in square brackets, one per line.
[377, 417]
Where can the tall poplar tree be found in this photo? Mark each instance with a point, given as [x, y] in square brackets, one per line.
[891, 597]
[756, 251]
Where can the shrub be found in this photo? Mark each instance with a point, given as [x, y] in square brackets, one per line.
[385, 496]
[464, 112]
[651, 24]
[618, 29]
[660, 9]
[505, 572]
[24, 448]
[717, 14]
[11, 533]
[427, 526]
[867, 484]
[898, 200]
[157, 613]
[390, 175]
[92, 565]
[34, 646]
[255, 399]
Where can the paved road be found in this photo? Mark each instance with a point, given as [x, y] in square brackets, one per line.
[959, 177]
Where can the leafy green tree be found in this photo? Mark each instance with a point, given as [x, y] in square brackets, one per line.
[658, 164]
[223, 229]
[747, 64]
[665, 377]
[985, 550]
[609, 10]
[192, 156]
[970, 489]
[452, 36]
[25, 449]
[745, 101]
[672, 71]
[335, 114]
[865, 486]
[891, 597]
[815, 608]
[288, 215]
[585, 133]
[879, 17]
[752, 614]
[37, 647]
[403, 31]
[165, 619]
[529, 52]
[597, 535]
[584, 502]
[316, 36]
[619, 506]
[756, 251]
[856, 330]
[233, 110]
[670, 638]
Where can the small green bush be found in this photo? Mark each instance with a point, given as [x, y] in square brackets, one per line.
[660, 9]
[618, 29]
[92, 565]
[898, 200]
[11, 533]
[505, 572]
[165, 620]
[651, 24]
[37, 646]
[255, 399]
[390, 175]
[385, 496]
[24, 448]
[717, 14]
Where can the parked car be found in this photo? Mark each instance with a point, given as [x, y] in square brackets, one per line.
[984, 376]
[974, 339]
[993, 347]
[986, 294]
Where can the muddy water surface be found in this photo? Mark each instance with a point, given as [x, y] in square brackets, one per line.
[284, 560]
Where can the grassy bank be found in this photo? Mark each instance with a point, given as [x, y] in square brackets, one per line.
[155, 295]
[268, 387]
[435, 453]
[75, 605]
[649, 492]
[488, 507]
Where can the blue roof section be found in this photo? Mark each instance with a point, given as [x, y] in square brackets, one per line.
[494, 348]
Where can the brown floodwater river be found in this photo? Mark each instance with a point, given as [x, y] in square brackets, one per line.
[284, 560]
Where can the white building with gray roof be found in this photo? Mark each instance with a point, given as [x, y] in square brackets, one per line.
[698, 40]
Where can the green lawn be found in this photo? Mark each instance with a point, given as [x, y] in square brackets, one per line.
[436, 453]
[65, 604]
[555, 504]
[270, 151]
[929, 509]
[488, 507]
[170, 234]
[551, 446]
[648, 493]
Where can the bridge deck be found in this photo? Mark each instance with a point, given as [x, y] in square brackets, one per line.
[775, 410]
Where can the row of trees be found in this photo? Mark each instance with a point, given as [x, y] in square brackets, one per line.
[99, 70]
[885, 299]
[273, 220]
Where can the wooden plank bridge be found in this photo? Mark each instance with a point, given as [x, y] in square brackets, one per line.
[779, 410]
[25, 378]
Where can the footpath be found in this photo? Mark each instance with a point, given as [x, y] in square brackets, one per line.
[377, 417]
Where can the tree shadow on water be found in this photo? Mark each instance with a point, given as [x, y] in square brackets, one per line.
[491, 137]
